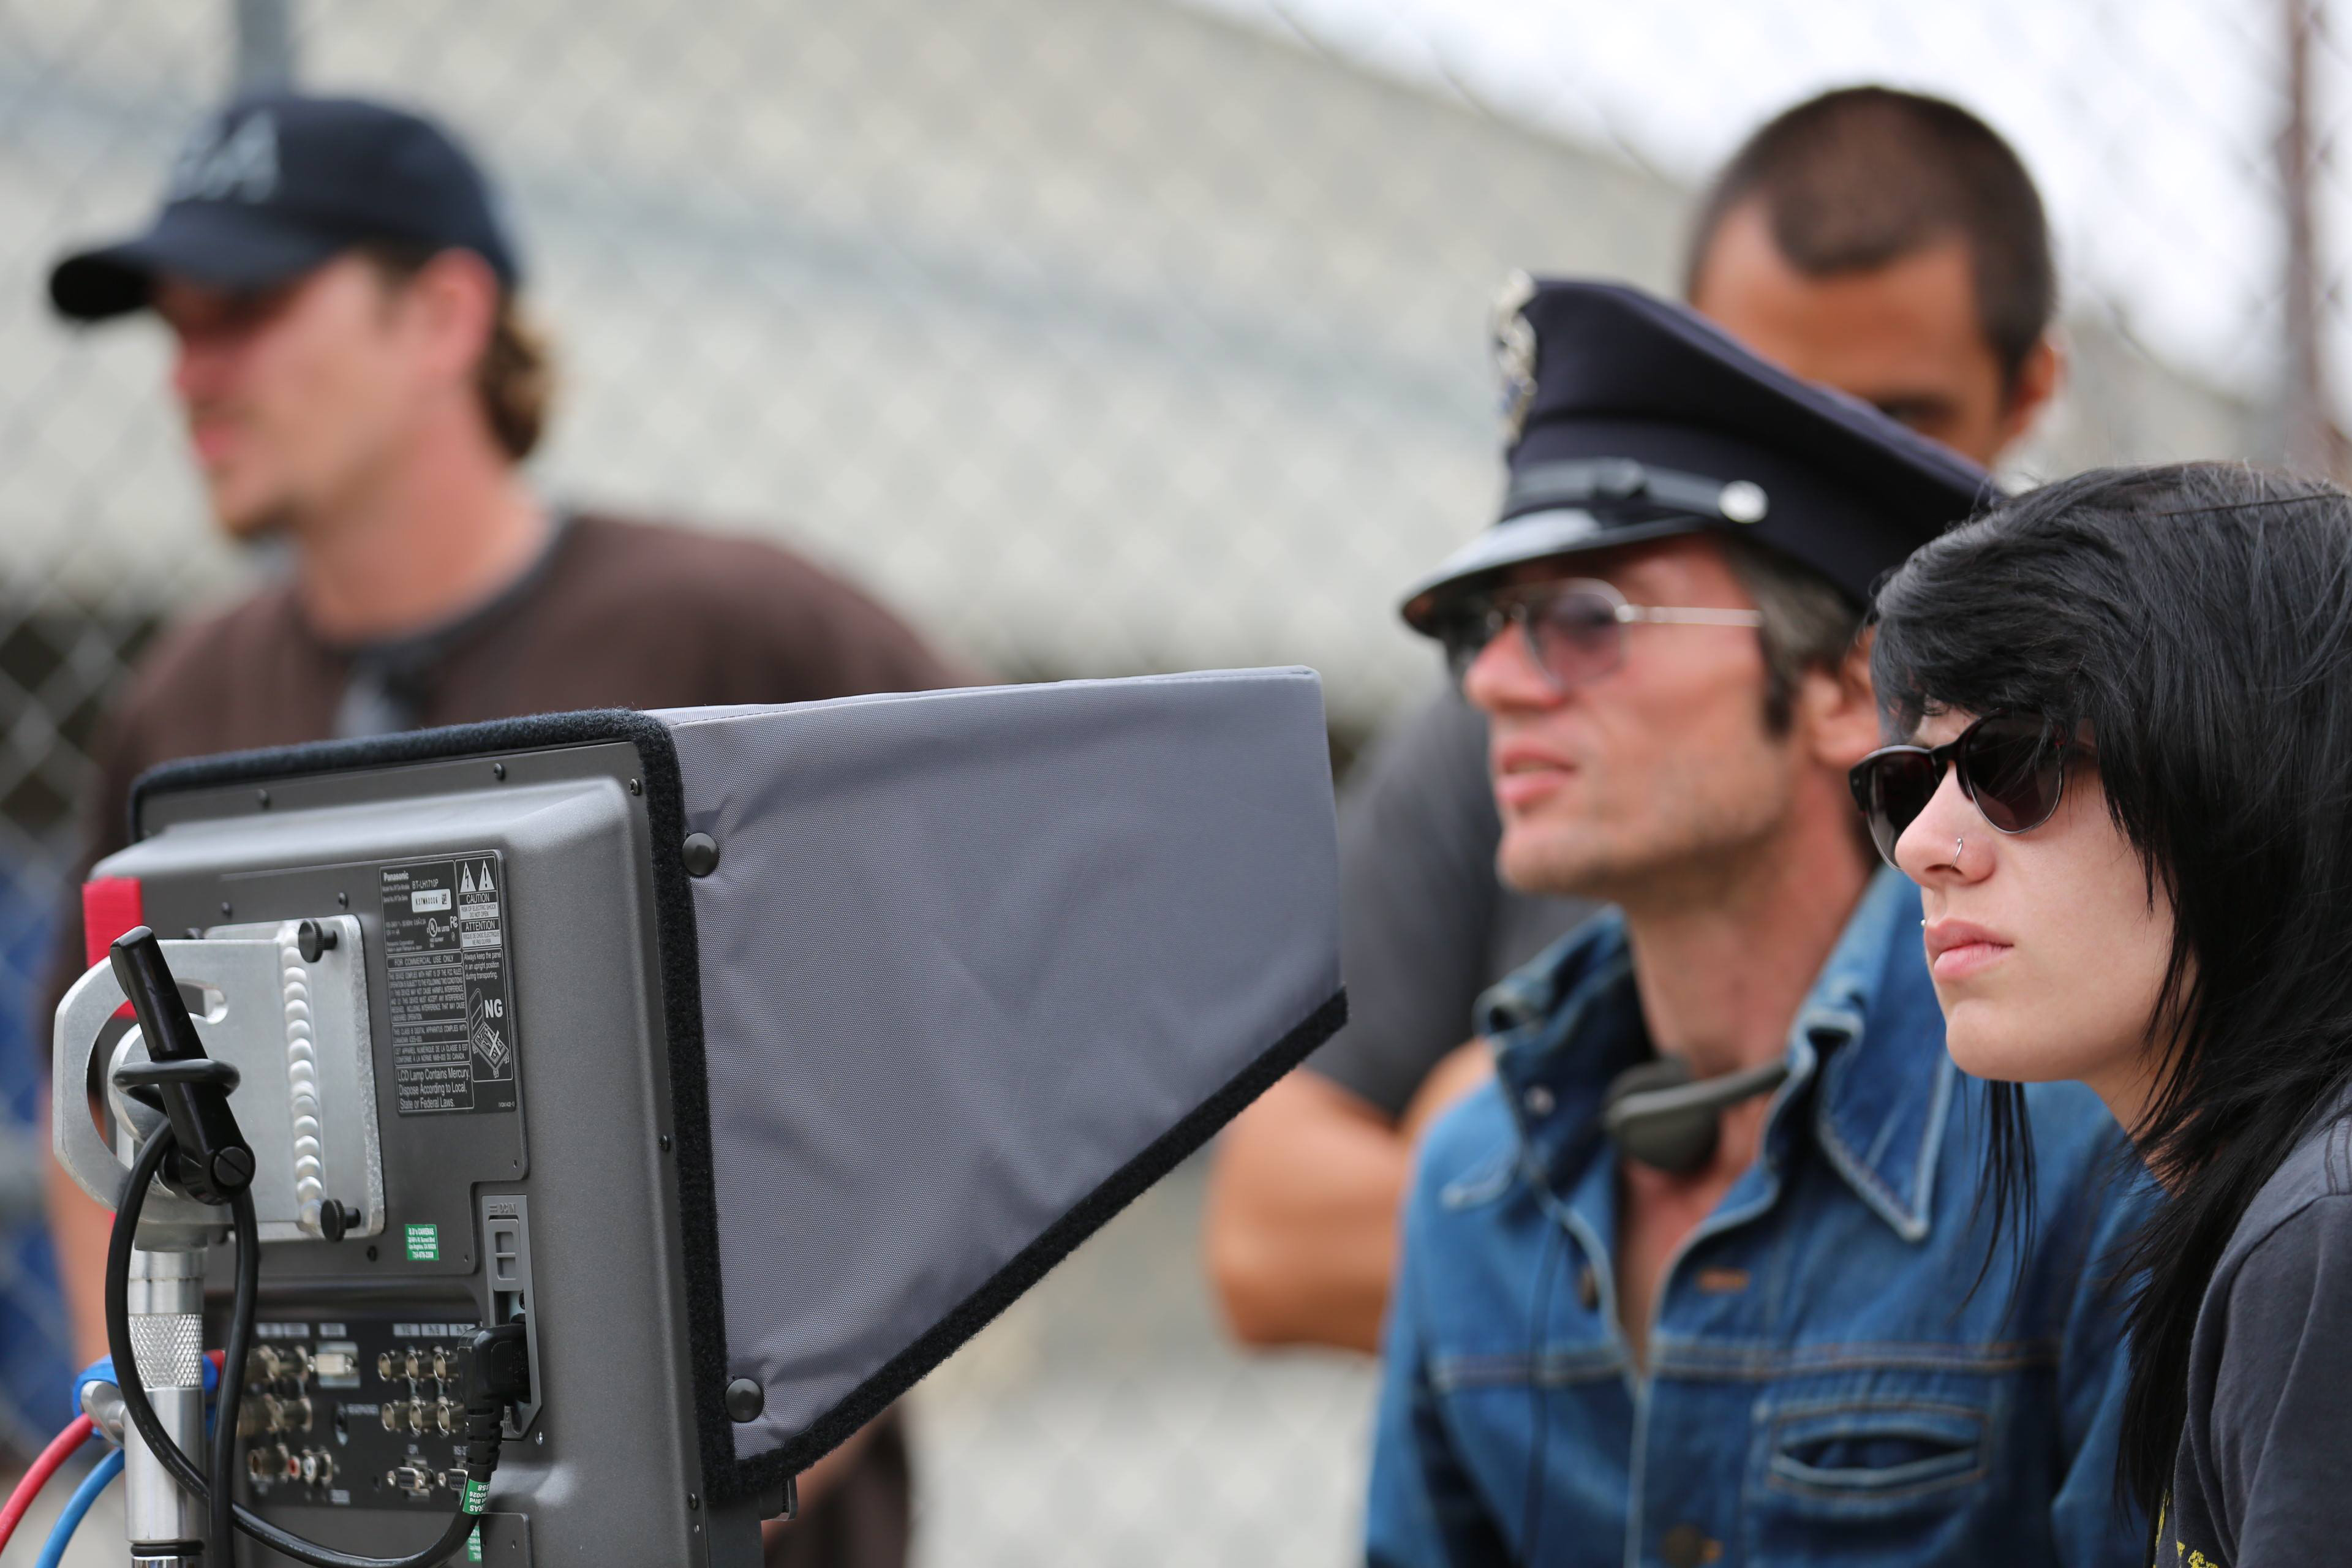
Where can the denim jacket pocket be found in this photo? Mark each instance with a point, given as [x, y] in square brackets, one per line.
[1862, 1456]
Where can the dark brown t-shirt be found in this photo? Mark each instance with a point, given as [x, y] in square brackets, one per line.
[619, 614]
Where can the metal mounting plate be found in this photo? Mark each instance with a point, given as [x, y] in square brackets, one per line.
[296, 1031]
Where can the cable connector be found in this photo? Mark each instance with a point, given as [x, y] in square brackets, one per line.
[500, 1376]
[501, 1364]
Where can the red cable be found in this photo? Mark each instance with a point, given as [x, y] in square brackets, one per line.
[60, 1450]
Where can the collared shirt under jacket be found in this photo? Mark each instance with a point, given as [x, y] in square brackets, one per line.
[1822, 1384]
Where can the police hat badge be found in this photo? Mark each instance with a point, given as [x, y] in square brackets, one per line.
[1514, 339]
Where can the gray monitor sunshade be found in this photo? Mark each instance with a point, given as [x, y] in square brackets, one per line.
[970, 970]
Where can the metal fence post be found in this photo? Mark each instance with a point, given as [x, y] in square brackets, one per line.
[2313, 443]
[265, 43]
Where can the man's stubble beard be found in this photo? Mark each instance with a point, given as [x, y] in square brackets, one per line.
[1693, 836]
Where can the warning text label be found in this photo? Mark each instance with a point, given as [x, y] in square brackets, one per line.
[445, 982]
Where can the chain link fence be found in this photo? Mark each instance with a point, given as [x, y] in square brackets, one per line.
[1101, 336]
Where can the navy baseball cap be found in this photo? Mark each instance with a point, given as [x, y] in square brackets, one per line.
[1629, 418]
[277, 183]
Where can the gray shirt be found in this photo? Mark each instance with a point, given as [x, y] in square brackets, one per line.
[1425, 926]
[2263, 1473]
[389, 679]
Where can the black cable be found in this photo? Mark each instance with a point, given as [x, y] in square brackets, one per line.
[227, 1409]
[482, 1427]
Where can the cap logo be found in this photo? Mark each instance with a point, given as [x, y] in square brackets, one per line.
[228, 160]
[1514, 338]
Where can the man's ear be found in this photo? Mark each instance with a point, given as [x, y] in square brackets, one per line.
[2032, 389]
[1837, 709]
[454, 304]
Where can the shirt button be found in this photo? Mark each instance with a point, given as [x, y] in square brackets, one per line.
[1687, 1546]
[1538, 1101]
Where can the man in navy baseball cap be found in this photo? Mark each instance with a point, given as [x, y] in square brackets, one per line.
[276, 185]
[360, 380]
[1679, 1281]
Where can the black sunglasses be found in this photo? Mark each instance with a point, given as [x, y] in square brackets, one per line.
[2013, 768]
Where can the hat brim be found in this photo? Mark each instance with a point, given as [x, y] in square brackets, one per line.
[1517, 541]
[221, 245]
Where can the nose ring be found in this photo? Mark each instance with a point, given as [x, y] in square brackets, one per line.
[1959, 848]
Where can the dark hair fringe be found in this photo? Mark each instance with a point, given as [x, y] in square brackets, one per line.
[2193, 617]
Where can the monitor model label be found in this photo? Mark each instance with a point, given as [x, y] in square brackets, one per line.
[444, 947]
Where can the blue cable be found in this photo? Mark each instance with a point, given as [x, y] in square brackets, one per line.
[103, 1473]
[102, 1371]
[78, 1505]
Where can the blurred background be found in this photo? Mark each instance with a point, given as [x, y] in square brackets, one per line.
[1100, 337]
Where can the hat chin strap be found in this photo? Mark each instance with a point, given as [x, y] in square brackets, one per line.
[1669, 1121]
[1589, 481]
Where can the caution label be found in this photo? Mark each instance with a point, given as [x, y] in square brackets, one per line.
[445, 982]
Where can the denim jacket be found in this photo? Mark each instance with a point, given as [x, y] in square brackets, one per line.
[1824, 1387]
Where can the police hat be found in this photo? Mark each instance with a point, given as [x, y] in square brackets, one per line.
[278, 183]
[1632, 418]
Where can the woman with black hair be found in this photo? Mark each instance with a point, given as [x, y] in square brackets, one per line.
[2128, 807]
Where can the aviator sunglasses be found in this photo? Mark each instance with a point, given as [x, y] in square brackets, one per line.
[2012, 769]
[1574, 630]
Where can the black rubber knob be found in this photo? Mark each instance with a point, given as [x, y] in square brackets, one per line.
[745, 1400]
[233, 1169]
[337, 1220]
[700, 852]
[314, 939]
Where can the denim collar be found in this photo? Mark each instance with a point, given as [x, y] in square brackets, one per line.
[1865, 1054]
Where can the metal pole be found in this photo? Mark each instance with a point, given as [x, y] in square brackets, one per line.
[167, 1301]
[2312, 443]
[265, 43]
